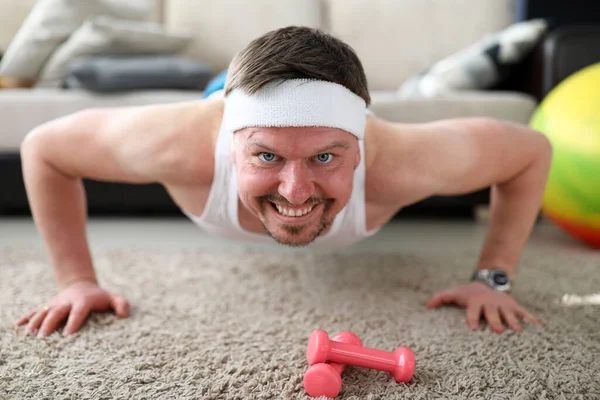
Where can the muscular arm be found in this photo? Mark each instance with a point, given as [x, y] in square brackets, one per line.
[133, 145]
[460, 156]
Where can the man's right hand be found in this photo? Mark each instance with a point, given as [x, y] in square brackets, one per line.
[73, 303]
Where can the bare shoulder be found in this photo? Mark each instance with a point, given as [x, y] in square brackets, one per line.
[411, 162]
[393, 155]
[185, 135]
[157, 143]
[189, 164]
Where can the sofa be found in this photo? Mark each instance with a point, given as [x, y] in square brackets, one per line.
[396, 40]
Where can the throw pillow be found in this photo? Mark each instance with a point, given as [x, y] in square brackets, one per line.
[481, 65]
[50, 22]
[125, 73]
[110, 36]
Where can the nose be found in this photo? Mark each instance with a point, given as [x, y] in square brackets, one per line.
[296, 182]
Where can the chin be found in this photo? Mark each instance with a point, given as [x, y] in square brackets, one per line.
[294, 236]
[295, 231]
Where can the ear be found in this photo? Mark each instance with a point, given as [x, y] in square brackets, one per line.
[357, 160]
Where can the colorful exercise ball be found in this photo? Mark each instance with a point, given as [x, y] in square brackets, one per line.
[570, 117]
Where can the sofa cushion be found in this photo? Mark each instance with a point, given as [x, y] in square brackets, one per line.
[105, 74]
[14, 12]
[223, 27]
[396, 39]
[104, 35]
[12, 15]
[23, 109]
[483, 65]
[510, 106]
[50, 22]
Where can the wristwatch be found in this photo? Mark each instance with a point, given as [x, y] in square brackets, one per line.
[494, 278]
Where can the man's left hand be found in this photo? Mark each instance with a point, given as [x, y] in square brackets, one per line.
[479, 299]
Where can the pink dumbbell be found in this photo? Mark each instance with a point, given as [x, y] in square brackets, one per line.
[324, 379]
[400, 363]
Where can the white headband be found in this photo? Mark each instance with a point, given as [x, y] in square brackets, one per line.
[297, 102]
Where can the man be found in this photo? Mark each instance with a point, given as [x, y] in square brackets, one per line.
[291, 154]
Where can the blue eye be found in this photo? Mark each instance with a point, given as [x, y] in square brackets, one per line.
[325, 157]
[267, 157]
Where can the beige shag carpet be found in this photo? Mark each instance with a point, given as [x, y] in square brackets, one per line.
[235, 326]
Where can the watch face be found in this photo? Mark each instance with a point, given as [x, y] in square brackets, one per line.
[500, 278]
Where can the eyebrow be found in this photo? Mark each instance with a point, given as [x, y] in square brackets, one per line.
[335, 145]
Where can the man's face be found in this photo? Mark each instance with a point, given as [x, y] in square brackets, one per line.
[295, 179]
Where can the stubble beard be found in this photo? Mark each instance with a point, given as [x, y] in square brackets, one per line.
[297, 230]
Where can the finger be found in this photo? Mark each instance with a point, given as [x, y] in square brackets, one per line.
[492, 317]
[55, 316]
[474, 315]
[510, 318]
[439, 299]
[36, 320]
[25, 319]
[523, 313]
[119, 304]
[77, 317]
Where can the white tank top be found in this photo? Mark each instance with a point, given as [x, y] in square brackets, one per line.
[221, 217]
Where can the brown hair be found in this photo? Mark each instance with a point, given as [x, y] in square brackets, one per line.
[296, 52]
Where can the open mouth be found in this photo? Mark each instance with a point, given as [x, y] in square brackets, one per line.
[296, 213]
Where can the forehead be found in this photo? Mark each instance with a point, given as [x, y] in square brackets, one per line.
[298, 137]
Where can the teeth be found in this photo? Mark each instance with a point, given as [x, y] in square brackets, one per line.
[293, 213]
